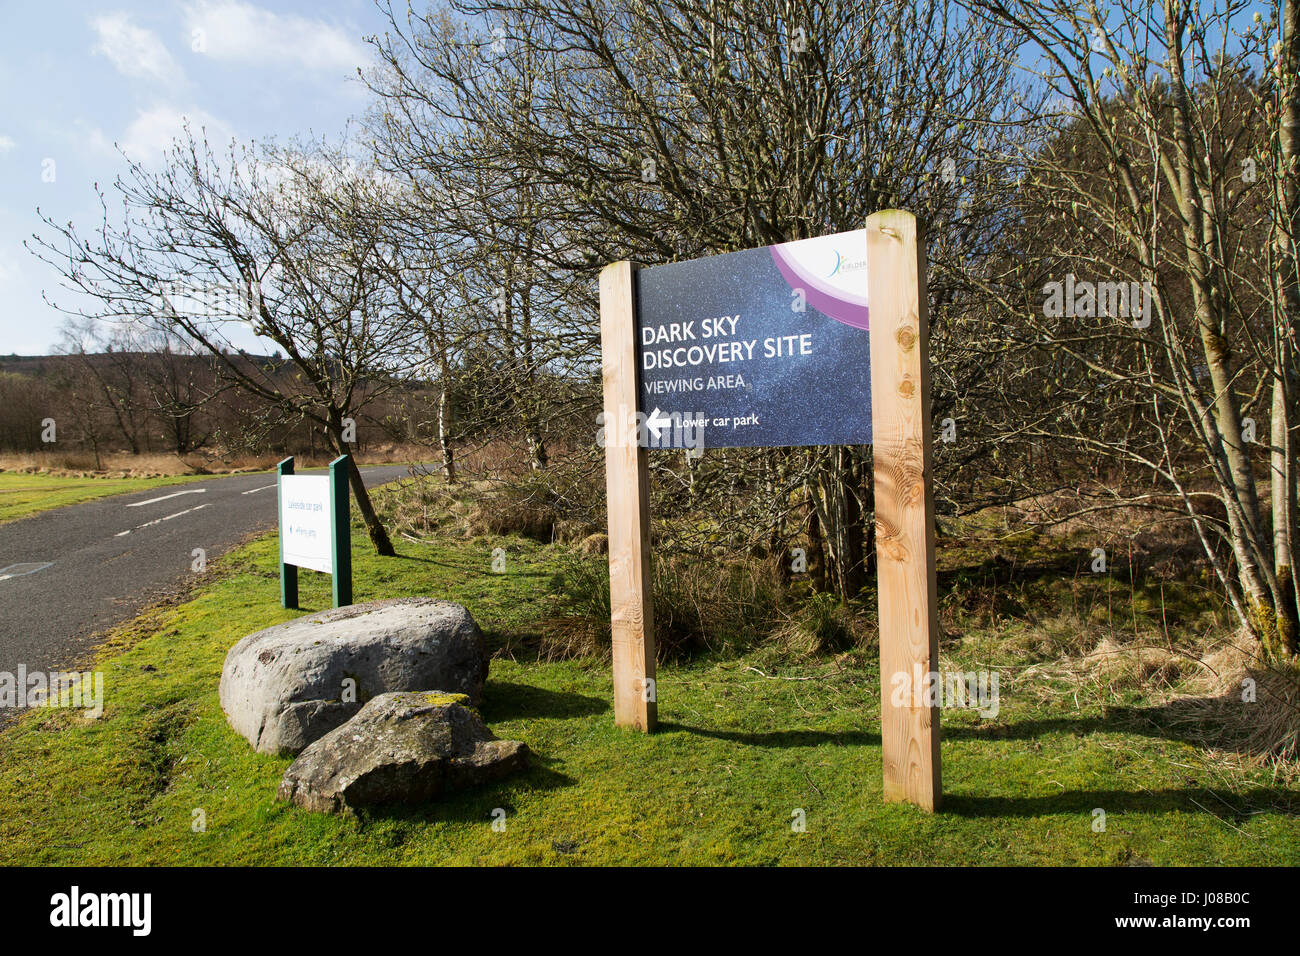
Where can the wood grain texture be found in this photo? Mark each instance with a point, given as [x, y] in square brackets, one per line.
[627, 486]
[900, 406]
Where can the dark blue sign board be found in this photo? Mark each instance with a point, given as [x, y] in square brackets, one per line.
[765, 347]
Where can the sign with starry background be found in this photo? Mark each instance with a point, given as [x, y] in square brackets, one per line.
[759, 348]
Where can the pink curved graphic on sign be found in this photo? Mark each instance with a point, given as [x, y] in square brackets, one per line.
[841, 304]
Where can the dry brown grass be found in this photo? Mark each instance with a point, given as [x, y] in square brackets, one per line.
[82, 464]
[1219, 694]
[820, 626]
[1110, 669]
[1244, 710]
[567, 638]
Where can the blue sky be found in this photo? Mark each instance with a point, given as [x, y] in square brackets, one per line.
[77, 78]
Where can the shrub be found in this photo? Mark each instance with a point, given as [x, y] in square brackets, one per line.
[700, 606]
[823, 624]
[558, 504]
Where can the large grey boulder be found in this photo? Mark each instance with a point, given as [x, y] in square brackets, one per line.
[290, 684]
[400, 748]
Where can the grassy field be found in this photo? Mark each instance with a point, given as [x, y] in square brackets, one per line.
[746, 743]
[26, 494]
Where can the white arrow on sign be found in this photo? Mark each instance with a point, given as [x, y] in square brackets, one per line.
[656, 423]
[175, 494]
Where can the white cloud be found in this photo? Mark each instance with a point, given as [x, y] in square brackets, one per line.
[133, 50]
[152, 132]
[233, 30]
[96, 139]
[6, 143]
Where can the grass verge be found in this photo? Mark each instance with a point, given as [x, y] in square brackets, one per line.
[27, 494]
[746, 744]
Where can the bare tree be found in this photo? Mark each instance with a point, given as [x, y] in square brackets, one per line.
[107, 377]
[1164, 177]
[565, 135]
[26, 401]
[180, 384]
[285, 245]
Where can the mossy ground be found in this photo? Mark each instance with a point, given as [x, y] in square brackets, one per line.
[745, 744]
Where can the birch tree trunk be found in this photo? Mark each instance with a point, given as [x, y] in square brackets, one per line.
[1286, 219]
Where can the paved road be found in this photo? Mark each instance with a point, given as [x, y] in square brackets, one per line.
[86, 567]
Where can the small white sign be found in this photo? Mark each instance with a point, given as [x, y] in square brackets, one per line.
[305, 522]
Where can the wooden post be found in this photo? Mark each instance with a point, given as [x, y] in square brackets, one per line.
[288, 572]
[627, 486]
[341, 531]
[900, 410]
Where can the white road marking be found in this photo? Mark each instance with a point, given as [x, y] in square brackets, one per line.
[159, 520]
[175, 494]
[25, 567]
[256, 490]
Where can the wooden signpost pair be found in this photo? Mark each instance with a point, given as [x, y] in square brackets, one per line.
[904, 503]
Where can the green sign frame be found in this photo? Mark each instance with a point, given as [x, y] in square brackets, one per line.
[340, 534]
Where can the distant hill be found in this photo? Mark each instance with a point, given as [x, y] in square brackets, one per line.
[146, 401]
[41, 365]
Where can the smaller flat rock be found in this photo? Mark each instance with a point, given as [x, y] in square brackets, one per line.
[400, 748]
